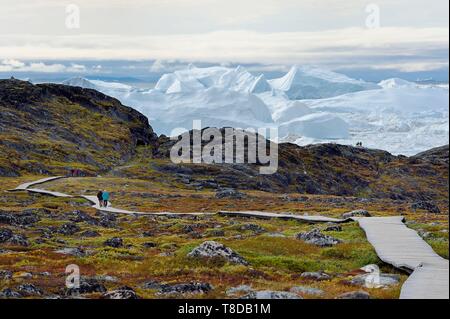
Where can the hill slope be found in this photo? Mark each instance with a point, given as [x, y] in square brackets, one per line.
[49, 128]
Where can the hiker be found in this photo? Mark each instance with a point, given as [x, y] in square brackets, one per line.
[100, 198]
[105, 196]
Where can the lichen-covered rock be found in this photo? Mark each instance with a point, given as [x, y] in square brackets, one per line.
[29, 290]
[317, 276]
[333, 227]
[229, 193]
[87, 286]
[315, 237]
[185, 288]
[9, 293]
[253, 227]
[427, 206]
[268, 294]
[354, 295]
[307, 291]
[69, 229]
[5, 235]
[212, 249]
[77, 252]
[115, 242]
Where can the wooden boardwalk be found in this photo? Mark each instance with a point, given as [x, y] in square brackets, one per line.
[402, 247]
[394, 242]
[26, 186]
[284, 216]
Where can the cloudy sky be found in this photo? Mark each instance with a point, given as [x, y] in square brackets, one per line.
[405, 35]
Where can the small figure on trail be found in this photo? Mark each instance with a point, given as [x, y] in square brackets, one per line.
[105, 196]
[100, 198]
[72, 172]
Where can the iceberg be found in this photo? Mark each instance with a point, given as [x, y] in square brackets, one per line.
[309, 82]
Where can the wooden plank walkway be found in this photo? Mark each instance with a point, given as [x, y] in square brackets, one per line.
[402, 247]
[284, 216]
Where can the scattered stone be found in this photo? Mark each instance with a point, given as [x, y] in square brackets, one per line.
[5, 274]
[192, 288]
[187, 229]
[90, 234]
[212, 249]
[29, 290]
[276, 235]
[229, 193]
[333, 227]
[69, 229]
[357, 213]
[87, 286]
[77, 252]
[235, 291]
[115, 242]
[195, 235]
[106, 278]
[151, 285]
[107, 220]
[5, 235]
[307, 291]
[9, 293]
[78, 216]
[121, 293]
[373, 280]
[315, 237]
[317, 276]
[27, 218]
[268, 294]
[19, 240]
[217, 233]
[167, 254]
[427, 206]
[148, 234]
[22, 275]
[354, 295]
[252, 227]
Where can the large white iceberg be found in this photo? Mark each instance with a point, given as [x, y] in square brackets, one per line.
[307, 82]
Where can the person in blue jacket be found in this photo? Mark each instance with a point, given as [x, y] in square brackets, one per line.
[105, 197]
